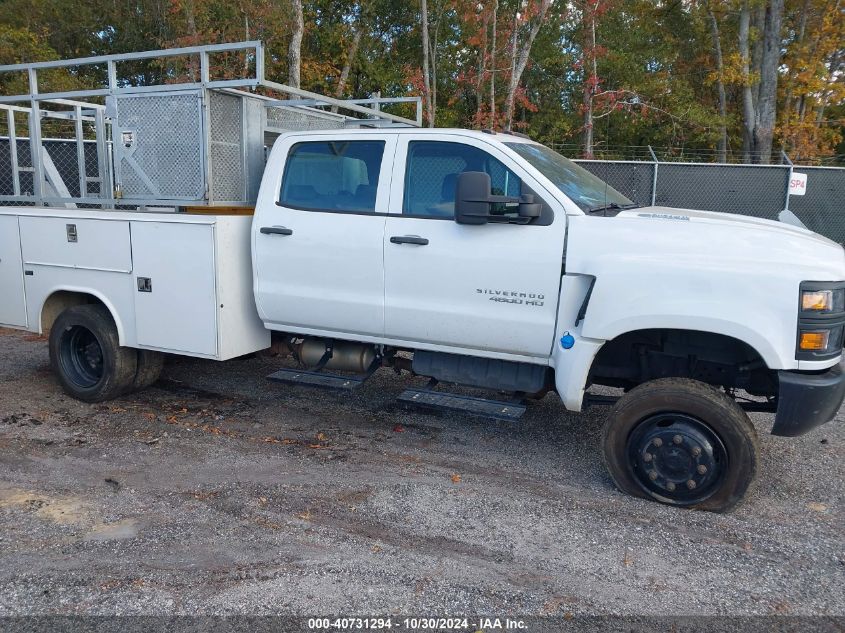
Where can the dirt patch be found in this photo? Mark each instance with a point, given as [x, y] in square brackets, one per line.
[62, 510]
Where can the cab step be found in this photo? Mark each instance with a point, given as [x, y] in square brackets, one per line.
[482, 407]
[318, 379]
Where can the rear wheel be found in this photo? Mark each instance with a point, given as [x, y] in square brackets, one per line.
[683, 443]
[86, 355]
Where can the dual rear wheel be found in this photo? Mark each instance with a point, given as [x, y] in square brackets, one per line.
[87, 358]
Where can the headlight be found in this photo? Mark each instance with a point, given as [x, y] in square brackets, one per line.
[823, 301]
[821, 320]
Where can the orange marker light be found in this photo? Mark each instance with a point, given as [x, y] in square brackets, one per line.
[817, 300]
[814, 341]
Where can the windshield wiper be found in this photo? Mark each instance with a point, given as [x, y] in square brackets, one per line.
[611, 206]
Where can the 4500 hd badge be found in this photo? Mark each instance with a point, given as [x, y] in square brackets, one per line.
[513, 296]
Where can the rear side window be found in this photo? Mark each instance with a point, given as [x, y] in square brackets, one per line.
[332, 176]
[432, 174]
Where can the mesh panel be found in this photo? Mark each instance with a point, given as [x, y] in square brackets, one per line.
[226, 133]
[291, 118]
[822, 208]
[63, 154]
[167, 150]
[744, 189]
[631, 179]
[753, 190]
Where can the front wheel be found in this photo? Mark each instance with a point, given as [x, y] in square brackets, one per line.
[683, 443]
[87, 357]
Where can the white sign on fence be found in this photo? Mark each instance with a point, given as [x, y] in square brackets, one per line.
[797, 184]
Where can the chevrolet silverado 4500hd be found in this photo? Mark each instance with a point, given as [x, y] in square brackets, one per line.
[493, 260]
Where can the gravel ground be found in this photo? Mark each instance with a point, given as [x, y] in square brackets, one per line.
[217, 492]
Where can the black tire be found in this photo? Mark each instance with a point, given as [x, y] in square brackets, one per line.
[150, 365]
[683, 443]
[87, 357]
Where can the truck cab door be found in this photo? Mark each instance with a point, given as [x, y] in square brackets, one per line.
[487, 290]
[319, 231]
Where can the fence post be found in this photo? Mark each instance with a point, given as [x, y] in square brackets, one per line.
[654, 176]
[784, 159]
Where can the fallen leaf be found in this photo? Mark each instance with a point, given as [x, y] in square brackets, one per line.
[375, 549]
[456, 478]
[150, 416]
[305, 516]
[398, 428]
[817, 507]
[321, 437]
[628, 560]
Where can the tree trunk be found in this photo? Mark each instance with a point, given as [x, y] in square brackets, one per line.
[748, 110]
[590, 74]
[426, 74]
[482, 58]
[433, 57]
[190, 18]
[493, 67]
[295, 47]
[787, 101]
[759, 24]
[767, 101]
[722, 144]
[520, 60]
[347, 65]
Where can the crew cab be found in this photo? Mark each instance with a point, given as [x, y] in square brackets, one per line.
[491, 261]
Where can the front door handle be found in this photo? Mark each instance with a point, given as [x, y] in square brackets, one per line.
[409, 239]
[276, 230]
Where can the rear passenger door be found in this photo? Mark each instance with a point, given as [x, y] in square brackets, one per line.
[319, 249]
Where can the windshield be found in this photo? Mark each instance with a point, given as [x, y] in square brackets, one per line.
[587, 191]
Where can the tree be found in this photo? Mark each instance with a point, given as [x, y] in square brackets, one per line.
[295, 46]
[722, 148]
[521, 50]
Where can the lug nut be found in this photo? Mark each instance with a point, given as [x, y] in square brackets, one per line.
[696, 451]
[677, 439]
[690, 484]
[658, 442]
[670, 487]
[647, 457]
[701, 469]
[652, 475]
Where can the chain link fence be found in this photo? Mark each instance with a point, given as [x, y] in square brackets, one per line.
[757, 190]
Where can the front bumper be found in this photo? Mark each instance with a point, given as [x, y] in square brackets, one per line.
[806, 401]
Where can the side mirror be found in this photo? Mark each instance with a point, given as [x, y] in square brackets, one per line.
[471, 198]
[528, 208]
[474, 202]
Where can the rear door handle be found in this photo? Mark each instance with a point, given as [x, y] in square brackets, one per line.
[409, 239]
[276, 230]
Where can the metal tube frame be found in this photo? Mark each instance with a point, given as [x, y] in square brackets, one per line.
[83, 111]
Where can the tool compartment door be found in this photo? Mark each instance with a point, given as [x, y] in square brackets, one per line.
[13, 304]
[175, 293]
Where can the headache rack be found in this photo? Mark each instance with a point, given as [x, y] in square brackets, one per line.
[183, 140]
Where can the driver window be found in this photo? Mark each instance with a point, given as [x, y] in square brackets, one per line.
[431, 175]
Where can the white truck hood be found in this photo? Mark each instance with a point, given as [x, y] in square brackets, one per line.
[727, 220]
[659, 267]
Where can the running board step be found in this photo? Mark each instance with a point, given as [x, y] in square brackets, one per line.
[510, 411]
[318, 379]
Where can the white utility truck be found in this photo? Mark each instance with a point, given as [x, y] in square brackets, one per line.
[474, 258]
